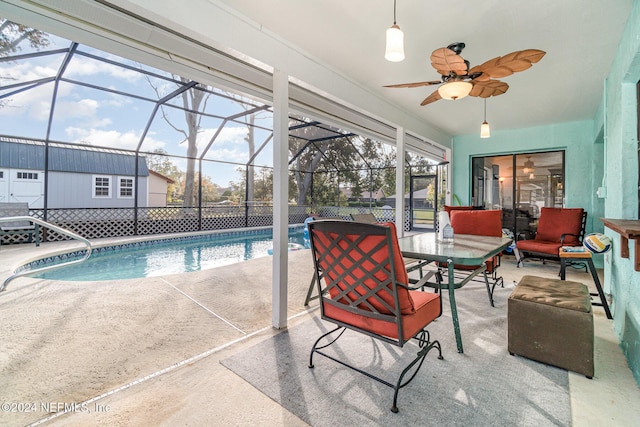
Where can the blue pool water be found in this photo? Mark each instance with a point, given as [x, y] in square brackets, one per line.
[163, 257]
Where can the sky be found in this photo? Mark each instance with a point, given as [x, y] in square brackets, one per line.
[87, 115]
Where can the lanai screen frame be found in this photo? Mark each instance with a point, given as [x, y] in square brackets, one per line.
[74, 48]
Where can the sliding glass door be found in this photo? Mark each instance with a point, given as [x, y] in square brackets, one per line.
[519, 185]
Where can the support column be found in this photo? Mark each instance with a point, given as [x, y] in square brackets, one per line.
[400, 181]
[280, 198]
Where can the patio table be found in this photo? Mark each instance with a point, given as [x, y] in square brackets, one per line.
[465, 250]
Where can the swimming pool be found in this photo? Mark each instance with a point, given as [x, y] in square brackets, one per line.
[165, 256]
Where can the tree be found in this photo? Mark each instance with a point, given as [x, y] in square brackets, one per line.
[12, 34]
[194, 100]
[313, 153]
[249, 120]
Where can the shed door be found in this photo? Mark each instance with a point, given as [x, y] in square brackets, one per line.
[27, 186]
[4, 185]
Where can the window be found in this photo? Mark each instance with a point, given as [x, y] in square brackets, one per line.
[125, 188]
[538, 182]
[27, 175]
[101, 186]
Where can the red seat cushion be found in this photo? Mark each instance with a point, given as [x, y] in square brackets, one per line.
[554, 222]
[539, 246]
[427, 308]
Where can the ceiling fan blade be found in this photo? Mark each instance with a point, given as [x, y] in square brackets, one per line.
[488, 88]
[446, 61]
[503, 66]
[416, 84]
[431, 98]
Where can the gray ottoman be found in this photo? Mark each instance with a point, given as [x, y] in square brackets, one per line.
[551, 321]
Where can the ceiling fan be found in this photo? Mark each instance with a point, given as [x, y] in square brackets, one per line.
[459, 81]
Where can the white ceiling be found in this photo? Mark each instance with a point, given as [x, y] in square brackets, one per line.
[579, 36]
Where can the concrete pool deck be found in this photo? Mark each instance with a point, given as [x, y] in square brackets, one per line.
[147, 351]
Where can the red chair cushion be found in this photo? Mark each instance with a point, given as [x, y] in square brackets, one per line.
[427, 308]
[554, 222]
[539, 246]
[334, 271]
[478, 223]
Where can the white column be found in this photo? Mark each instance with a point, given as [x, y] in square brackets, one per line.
[400, 181]
[280, 198]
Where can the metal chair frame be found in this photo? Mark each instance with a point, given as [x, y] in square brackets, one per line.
[490, 280]
[349, 279]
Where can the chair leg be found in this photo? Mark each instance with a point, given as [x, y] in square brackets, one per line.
[425, 344]
[312, 285]
[315, 347]
[489, 288]
[519, 257]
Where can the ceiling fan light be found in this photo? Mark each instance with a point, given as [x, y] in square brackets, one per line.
[485, 130]
[528, 166]
[455, 90]
[394, 51]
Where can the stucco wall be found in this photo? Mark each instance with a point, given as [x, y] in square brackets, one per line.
[619, 110]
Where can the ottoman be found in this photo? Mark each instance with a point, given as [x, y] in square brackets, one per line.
[551, 321]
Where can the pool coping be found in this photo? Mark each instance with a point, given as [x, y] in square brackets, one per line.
[111, 244]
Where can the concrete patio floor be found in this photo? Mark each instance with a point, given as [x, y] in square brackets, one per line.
[147, 351]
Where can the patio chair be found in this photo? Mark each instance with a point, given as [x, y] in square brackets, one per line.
[557, 227]
[20, 227]
[411, 264]
[366, 217]
[363, 287]
[478, 223]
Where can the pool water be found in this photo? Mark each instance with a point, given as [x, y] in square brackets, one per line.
[160, 259]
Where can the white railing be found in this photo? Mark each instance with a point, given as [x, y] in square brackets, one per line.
[49, 267]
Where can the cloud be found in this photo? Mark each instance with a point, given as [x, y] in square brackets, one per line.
[230, 145]
[82, 66]
[23, 72]
[228, 135]
[113, 139]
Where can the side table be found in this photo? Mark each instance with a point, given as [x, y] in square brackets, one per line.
[585, 256]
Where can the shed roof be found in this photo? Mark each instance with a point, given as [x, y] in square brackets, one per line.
[62, 159]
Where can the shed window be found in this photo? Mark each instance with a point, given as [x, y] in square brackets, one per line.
[101, 186]
[27, 175]
[125, 188]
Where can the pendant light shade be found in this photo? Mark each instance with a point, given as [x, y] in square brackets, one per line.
[485, 130]
[394, 50]
[395, 44]
[455, 90]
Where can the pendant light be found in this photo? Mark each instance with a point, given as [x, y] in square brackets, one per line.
[394, 51]
[485, 131]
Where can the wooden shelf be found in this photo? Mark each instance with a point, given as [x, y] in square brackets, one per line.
[629, 229]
